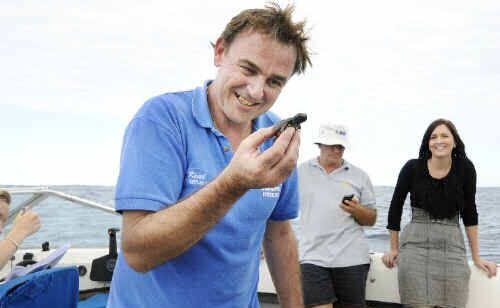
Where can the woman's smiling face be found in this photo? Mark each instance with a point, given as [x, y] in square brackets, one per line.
[441, 141]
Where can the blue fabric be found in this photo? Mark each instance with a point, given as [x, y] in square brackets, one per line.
[170, 150]
[57, 287]
[95, 301]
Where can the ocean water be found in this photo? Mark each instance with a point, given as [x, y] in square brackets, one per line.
[65, 222]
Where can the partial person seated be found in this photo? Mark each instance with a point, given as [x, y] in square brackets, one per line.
[26, 223]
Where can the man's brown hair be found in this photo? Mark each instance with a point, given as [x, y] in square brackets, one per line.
[275, 22]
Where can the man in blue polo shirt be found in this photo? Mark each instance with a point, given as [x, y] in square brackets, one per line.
[203, 183]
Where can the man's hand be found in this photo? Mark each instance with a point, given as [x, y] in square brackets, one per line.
[350, 206]
[363, 215]
[251, 168]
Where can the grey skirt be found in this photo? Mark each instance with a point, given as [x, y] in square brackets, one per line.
[432, 267]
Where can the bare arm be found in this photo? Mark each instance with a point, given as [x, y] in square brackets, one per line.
[25, 224]
[282, 258]
[7, 249]
[150, 239]
[365, 216]
[391, 258]
[489, 267]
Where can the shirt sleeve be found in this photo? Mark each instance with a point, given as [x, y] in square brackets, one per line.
[151, 167]
[469, 212]
[399, 196]
[368, 193]
[288, 202]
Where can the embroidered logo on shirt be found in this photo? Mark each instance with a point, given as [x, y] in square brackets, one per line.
[196, 177]
[271, 192]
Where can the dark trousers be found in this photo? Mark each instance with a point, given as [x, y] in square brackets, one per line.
[323, 285]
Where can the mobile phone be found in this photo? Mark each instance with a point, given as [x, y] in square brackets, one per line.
[347, 197]
[290, 122]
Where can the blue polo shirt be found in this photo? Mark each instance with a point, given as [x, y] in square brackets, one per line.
[171, 149]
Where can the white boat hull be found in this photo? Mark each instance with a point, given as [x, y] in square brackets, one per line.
[381, 285]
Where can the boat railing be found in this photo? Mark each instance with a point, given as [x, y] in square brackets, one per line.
[39, 194]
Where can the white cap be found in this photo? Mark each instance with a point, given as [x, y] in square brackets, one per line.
[331, 134]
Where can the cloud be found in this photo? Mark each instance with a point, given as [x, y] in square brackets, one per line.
[387, 68]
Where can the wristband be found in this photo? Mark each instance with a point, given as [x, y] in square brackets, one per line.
[12, 241]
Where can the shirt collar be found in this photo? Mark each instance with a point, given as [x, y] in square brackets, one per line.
[201, 112]
[345, 164]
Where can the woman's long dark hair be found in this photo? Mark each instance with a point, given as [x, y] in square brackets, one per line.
[457, 152]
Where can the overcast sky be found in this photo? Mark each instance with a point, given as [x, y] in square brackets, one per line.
[74, 73]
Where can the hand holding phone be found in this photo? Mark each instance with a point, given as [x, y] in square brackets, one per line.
[347, 197]
[290, 122]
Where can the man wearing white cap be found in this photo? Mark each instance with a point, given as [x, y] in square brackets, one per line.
[333, 249]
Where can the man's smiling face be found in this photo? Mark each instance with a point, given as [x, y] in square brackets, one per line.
[252, 71]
